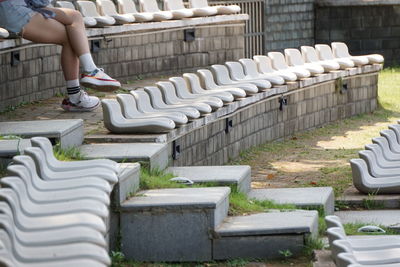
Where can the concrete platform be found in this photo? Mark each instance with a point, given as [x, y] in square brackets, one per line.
[12, 147]
[67, 132]
[305, 197]
[223, 175]
[172, 225]
[155, 154]
[263, 235]
[353, 198]
[128, 182]
[388, 218]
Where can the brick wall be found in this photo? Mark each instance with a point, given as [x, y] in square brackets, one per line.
[366, 29]
[288, 23]
[124, 56]
[261, 122]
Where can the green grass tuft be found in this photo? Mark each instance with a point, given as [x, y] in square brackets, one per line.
[67, 154]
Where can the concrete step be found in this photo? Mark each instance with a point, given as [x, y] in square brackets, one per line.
[155, 154]
[10, 148]
[264, 235]
[304, 197]
[223, 175]
[67, 132]
[388, 218]
[172, 224]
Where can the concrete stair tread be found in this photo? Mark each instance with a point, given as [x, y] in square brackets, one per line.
[270, 223]
[239, 175]
[300, 197]
[208, 197]
[128, 181]
[156, 154]
[68, 132]
[388, 218]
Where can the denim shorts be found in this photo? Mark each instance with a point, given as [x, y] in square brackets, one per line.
[14, 15]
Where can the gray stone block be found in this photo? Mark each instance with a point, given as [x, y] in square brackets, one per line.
[11, 148]
[128, 182]
[68, 132]
[264, 235]
[388, 218]
[224, 175]
[155, 154]
[306, 197]
[172, 224]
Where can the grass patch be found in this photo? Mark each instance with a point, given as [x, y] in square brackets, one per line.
[351, 229]
[156, 179]
[67, 154]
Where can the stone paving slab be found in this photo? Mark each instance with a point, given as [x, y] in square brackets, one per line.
[224, 175]
[388, 218]
[155, 154]
[305, 197]
[353, 198]
[67, 132]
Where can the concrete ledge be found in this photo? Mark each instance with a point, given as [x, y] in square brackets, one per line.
[172, 224]
[224, 175]
[264, 235]
[128, 182]
[305, 197]
[155, 154]
[353, 198]
[13, 147]
[67, 132]
[388, 218]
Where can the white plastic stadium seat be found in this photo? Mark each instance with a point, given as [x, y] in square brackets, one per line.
[222, 77]
[129, 7]
[279, 63]
[325, 53]
[107, 8]
[251, 71]
[89, 9]
[237, 74]
[221, 9]
[340, 50]
[151, 6]
[294, 58]
[131, 111]
[144, 105]
[200, 10]
[178, 9]
[89, 22]
[264, 65]
[115, 122]
[348, 259]
[311, 56]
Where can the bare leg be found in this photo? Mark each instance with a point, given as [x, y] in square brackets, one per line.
[50, 31]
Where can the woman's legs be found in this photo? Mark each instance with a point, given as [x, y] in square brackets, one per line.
[51, 31]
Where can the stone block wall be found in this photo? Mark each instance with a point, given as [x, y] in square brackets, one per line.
[263, 121]
[366, 29]
[126, 56]
[288, 24]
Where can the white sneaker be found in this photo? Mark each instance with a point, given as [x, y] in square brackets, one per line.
[85, 103]
[99, 80]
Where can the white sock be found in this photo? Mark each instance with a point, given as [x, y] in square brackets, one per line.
[73, 90]
[87, 62]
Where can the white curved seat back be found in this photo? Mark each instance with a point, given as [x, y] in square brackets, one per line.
[107, 7]
[264, 64]
[278, 60]
[340, 49]
[181, 87]
[236, 70]
[335, 233]
[155, 96]
[193, 82]
[340, 246]
[88, 9]
[346, 259]
[293, 57]
[324, 52]
[207, 78]
[309, 54]
[249, 67]
[221, 74]
[149, 6]
[128, 106]
[65, 4]
[143, 101]
[168, 91]
[127, 7]
[333, 221]
[174, 4]
[198, 3]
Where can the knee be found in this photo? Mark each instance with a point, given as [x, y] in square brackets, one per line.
[76, 16]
